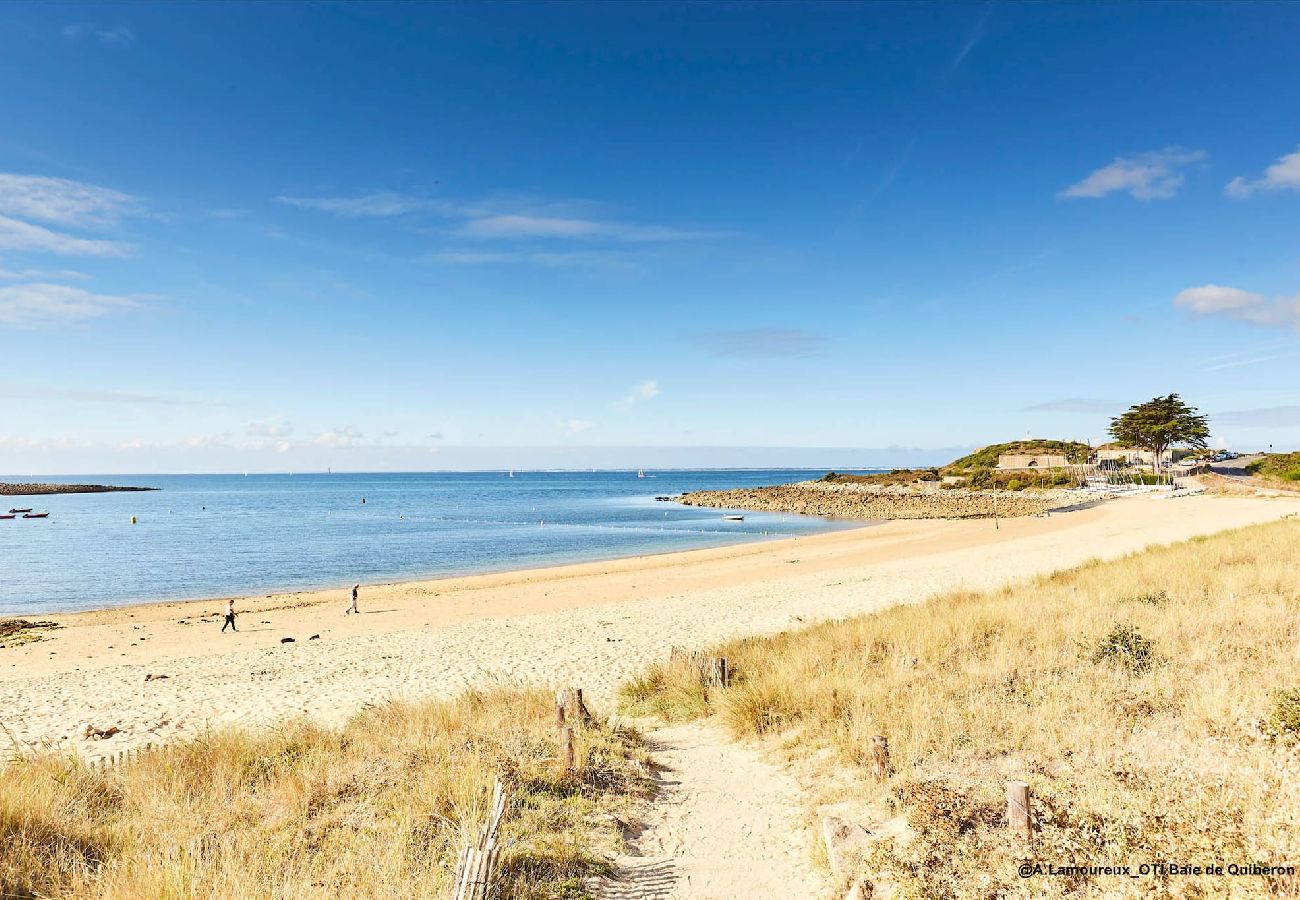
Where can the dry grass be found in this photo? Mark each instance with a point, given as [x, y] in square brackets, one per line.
[377, 809]
[1152, 703]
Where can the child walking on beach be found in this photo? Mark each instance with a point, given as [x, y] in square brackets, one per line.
[230, 617]
[353, 607]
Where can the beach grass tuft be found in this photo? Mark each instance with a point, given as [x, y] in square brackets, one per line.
[1164, 729]
[379, 808]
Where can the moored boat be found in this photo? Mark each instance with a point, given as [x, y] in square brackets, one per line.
[734, 518]
[16, 510]
[8, 516]
[32, 515]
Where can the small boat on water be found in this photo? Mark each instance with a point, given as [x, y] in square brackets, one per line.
[32, 515]
[8, 516]
[734, 518]
[15, 510]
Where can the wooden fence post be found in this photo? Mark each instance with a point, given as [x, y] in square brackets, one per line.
[1019, 818]
[477, 865]
[570, 755]
[559, 709]
[880, 756]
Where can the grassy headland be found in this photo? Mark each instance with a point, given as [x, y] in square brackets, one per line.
[967, 488]
[1151, 703]
[1279, 467]
[378, 809]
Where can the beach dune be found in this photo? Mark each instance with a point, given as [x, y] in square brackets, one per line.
[164, 670]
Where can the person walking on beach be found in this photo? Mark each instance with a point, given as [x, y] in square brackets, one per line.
[230, 617]
[353, 607]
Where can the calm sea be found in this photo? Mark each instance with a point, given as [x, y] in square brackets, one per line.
[218, 535]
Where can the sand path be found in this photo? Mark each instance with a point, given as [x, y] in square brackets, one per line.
[722, 826]
[591, 626]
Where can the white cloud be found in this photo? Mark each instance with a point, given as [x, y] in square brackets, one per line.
[119, 35]
[1146, 176]
[497, 220]
[645, 390]
[1264, 417]
[35, 305]
[348, 436]
[16, 235]
[577, 426]
[1085, 405]
[517, 226]
[1282, 175]
[41, 274]
[27, 391]
[61, 201]
[611, 260]
[270, 428]
[1244, 306]
[763, 343]
[380, 204]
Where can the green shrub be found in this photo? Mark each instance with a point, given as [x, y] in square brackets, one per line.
[1284, 719]
[1125, 646]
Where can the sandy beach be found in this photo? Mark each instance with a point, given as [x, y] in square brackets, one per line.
[589, 625]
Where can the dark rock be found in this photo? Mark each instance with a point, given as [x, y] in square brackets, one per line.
[286, 640]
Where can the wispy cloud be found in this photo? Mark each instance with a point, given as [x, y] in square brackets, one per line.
[973, 37]
[37, 305]
[278, 427]
[1146, 176]
[551, 227]
[116, 35]
[1283, 175]
[763, 343]
[42, 275]
[1244, 306]
[640, 392]
[589, 259]
[578, 426]
[1076, 405]
[19, 391]
[497, 220]
[380, 204]
[60, 201]
[1262, 417]
[337, 438]
[24, 236]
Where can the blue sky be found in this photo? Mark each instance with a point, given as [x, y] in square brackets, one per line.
[281, 237]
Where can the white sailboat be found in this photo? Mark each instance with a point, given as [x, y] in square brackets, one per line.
[640, 473]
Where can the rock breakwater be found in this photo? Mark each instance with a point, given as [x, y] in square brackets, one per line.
[31, 490]
[865, 501]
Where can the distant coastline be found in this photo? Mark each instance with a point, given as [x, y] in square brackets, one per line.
[30, 490]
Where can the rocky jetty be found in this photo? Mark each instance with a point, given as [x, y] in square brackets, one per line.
[866, 501]
[25, 490]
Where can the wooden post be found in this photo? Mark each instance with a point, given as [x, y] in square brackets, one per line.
[559, 709]
[722, 674]
[880, 756]
[1019, 818]
[570, 755]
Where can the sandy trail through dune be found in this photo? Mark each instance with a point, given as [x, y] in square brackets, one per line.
[725, 824]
